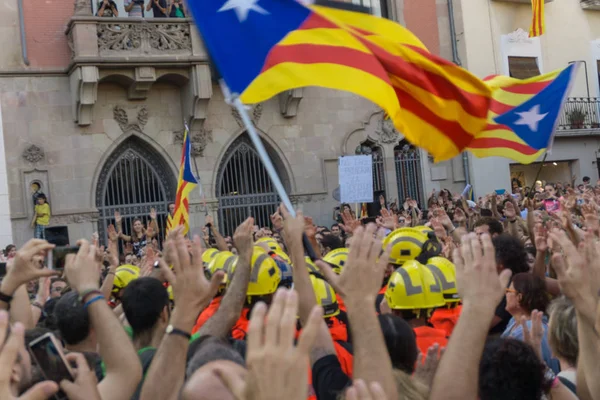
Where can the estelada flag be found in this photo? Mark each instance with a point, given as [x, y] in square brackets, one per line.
[264, 47]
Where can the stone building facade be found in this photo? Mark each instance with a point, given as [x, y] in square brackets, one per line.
[93, 110]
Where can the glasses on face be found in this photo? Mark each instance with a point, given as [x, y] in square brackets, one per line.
[57, 289]
[509, 290]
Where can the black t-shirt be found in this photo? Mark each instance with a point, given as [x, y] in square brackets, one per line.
[329, 380]
[504, 315]
[157, 12]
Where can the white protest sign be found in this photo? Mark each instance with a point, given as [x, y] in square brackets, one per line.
[356, 179]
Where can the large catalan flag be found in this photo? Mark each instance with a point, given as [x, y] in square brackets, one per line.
[185, 184]
[538, 19]
[523, 115]
[264, 47]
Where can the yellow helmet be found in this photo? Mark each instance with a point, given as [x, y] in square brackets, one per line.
[414, 287]
[124, 275]
[283, 256]
[410, 244]
[445, 271]
[208, 255]
[424, 229]
[265, 275]
[326, 297]
[337, 258]
[222, 261]
[311, 266]
[272, 243]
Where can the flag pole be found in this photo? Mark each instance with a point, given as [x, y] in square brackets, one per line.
[532, 191]
[264, 156]
[266, 160]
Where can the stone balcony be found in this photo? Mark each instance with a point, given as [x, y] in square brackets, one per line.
[590, 4]
[136, 53]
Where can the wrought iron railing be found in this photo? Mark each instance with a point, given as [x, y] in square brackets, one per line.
[580, 113]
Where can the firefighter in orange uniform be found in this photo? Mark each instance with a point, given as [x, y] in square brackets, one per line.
[446, 317]
[413, 292]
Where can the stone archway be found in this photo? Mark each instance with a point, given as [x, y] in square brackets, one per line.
[133, 180]
[243, 186]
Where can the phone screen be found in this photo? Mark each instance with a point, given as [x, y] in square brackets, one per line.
[56, 259]
[50, 358]
[2, 269]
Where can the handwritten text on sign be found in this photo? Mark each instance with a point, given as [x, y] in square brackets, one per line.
[356, 179]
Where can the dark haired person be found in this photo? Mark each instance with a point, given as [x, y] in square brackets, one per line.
[525, 294]
[107, 8]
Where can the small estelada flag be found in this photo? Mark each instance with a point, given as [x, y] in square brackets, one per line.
[538, 20]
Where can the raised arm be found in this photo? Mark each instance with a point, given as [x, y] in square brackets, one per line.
[481, 290]
[192, 294]
[229, 311]
[123, 369]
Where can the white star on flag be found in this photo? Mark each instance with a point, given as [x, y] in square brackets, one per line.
[242, 8]
[531, 118]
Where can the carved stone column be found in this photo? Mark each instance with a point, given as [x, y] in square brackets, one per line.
[196, 95]
[84, 92]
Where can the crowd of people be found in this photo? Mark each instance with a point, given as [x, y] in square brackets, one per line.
[489, 299]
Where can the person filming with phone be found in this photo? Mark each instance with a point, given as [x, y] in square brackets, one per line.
[176, 9]
[159, 8]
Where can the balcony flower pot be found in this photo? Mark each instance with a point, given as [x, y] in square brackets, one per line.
[576, 118]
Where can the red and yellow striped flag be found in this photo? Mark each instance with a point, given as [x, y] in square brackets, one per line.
[442, 106]
[538, 20]
[185, 184]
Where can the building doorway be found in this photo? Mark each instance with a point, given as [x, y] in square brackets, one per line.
[134, 179]
[523, 176]
[244, 188]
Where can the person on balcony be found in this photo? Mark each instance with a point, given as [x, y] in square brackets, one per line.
[159, 8]
[107, 8]
[176, 9]
[135, 8]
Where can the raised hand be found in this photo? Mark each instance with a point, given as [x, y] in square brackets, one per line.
[427, 366]
[387, 220]
[242, 238]
[478, 281]
[309, 227]
[190, 286]
[276, 367]
[12, 343]
[277, 221]
[83, 269]
[534, 336]
[509, 211]
[26, 266]
[541, 238]
[577, 271]
[84, 387]
[350, 222]
[364, 270]
[360, 391]
[438, 228]
[153, 213]
[113, 236]
[118, 218]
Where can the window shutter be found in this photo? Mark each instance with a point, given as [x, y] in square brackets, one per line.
[523, 67]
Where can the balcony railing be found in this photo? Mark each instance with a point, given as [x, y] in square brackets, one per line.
[590, 4]
[580, 113]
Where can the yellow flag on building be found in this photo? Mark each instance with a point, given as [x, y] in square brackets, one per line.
[538, 20]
